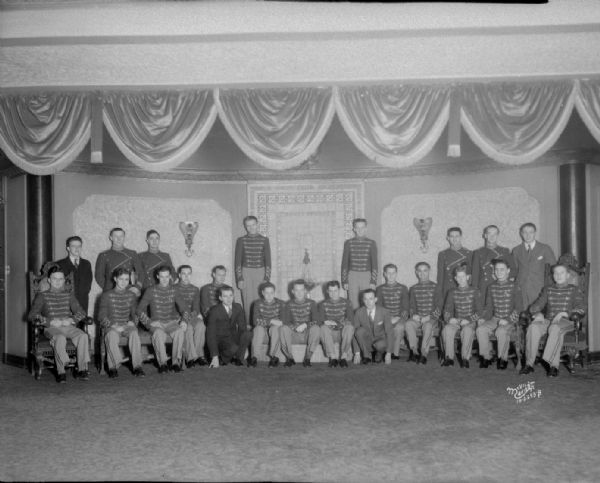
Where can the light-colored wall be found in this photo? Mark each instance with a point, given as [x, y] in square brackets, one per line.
[593, 213]
[16, 259]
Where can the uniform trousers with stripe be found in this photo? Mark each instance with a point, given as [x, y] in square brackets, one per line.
[411, 328]
[342, 336]
[195, 338]
[58, 340]
[556, 337]
[502, 333]
[168, 332]
[398, 329]
[467, 335]
[311, 337]
[535, 331]
[114, 356]
[357, 282]
[253, 278]
[270, 335]
[368, 342]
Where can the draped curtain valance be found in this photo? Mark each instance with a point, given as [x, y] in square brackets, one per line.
[280, 128]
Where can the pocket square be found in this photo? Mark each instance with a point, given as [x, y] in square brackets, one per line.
[380, 322]
[540, 257]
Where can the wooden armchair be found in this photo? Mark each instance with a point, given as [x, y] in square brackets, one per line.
[41, 353]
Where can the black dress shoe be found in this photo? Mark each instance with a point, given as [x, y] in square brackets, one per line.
[526, 370]
[139, 372]
[378, 357]
[83, 375]
[412, 357]
[553, 372]
[163, 369]
[61, 378]
[502, 364]
[423, 360]
[448, 362]
[112, 373]
[201, 361]
[465, 364]
[190, 364]
[365, 360]
[237, 362]
[306, 362]
[333, 362]
[176, 368]
[395, 357]
[274, 362]
[252, 362]
[289, 363]
[484, 363]
[343, 363]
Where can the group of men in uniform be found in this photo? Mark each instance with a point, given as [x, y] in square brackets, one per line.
[477, 294]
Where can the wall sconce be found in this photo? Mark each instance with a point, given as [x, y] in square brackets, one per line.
[188, 230]
[423, 225]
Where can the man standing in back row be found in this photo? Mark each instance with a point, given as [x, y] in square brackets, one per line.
[252, 262]
[359, 263]
[118, 257]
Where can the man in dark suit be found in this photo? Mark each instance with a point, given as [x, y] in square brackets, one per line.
[374, 330]
[531, 258]
[80, 268]
[227, 334]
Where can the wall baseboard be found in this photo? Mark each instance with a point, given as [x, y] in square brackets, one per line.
[12, 360]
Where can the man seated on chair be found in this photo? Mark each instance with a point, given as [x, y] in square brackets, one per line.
[552, 312]
[424, 312]
[394, 296]
[58, 310]
[267, 317]
[117, 316]
[503, 304]
[336, 315]
[209, 293]
[373, 329]
[462, 310]
[195, 334]
[227, 335]
[300, 324]
[168, 317]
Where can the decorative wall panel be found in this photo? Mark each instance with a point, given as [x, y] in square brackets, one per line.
[212, 243]
[307, 225]
[508, 208]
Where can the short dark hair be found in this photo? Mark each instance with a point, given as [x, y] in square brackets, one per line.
[55, 269]
[248, 218]
[73, 238]
[299, 281]
[333, 283]
[161, 269]
[181, 267]
[422, 264]
[453, 228]
[528, 224]
[117, 228]
[117, 272]
[555, 266]
[489, 227]
[390, 265]
[224, 288]
[152, 232]
[217, 267]
[368, 290]
[358, 220]
[460, 268]
[497, 261]
[266, 285]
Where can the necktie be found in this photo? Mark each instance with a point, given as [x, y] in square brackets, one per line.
[372, 315]
[76, 263]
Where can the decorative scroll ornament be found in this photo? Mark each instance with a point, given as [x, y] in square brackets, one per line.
[423, 225]
[188, 230]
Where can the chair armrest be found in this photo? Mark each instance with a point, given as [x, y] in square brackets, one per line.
[524, 318]
[577, 321]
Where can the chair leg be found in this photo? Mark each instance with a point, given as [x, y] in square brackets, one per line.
[37, 368]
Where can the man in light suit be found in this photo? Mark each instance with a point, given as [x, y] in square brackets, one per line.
[531, 258]
[81, 270]
[373, 329]
[227, 334]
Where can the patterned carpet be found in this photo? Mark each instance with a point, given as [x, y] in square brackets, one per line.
[365, 423]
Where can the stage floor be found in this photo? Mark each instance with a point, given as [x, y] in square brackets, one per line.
[366, 423]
